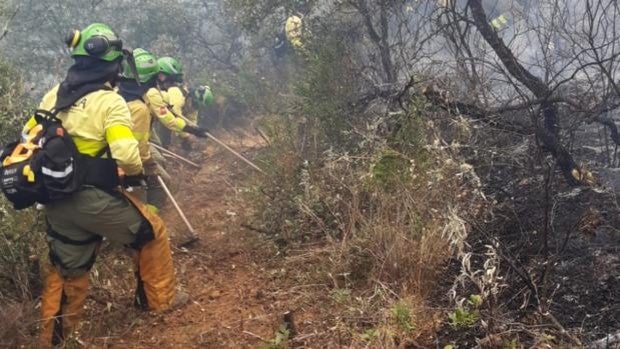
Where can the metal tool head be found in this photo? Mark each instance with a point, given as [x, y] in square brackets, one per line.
[189, 242]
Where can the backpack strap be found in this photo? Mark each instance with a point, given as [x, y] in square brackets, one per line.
[45, 116]
[104, 151]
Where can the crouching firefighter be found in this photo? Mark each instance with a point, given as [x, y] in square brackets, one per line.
[147, 104]
[98, 122]
[134, 91]
[170, 85]
[199, 99]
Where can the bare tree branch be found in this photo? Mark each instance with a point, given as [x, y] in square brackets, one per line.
[548, 134]
[378, 36]
[5, 30]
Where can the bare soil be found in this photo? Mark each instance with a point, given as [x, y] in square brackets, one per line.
[241, 285]
[238, 285]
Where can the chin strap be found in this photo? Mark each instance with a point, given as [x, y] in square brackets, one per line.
[128, 55]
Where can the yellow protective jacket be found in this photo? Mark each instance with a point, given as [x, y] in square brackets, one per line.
[96, 120]
[190, 109]
[141, 119]
[293, 30]
[500, 21]
[176, 98]
[159, 106]
[181, 105]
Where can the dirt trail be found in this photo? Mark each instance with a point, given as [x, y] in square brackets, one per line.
[230, 307]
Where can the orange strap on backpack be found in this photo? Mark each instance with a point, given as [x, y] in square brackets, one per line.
[24, 151]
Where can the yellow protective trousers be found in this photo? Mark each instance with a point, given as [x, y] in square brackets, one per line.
[76, 225]
[155, 271]
[62, 305]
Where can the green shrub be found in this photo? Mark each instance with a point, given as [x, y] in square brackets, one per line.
[467, 315]
[13, 104]
[401, 315]
[329, 88]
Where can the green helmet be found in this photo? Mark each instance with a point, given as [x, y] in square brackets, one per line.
[146, 65]
[170, 66]
[203, 95]
[97, 40]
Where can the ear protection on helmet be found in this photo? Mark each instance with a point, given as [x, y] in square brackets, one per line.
[100, 45]
[73, 38]
[96, 45]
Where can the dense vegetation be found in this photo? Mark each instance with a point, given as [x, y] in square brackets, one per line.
[455, 160]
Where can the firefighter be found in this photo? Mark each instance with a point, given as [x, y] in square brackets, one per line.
[294, 30]
[99, 122]
[170, 81]
[198, 99]
[146, 105]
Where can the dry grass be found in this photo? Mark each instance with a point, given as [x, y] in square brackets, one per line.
[17, 324]
[387, 224]
[21, 247]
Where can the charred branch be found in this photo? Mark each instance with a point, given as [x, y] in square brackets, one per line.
[548, 132]
[379, 36]
[532, 82]
[611, 126]
[473, 111]
[5, 30]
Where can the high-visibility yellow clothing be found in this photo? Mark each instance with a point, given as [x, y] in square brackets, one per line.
[95, 120]
[500, 21]
[158, 102]
[141, 119]
[293, 29]
[176, 98]
[181, 106]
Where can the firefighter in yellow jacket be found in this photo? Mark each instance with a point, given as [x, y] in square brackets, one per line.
[293, 29]
[170, 80]
[98, 121]
[147, 104]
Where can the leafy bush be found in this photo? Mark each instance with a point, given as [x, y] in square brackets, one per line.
[387, 213]
[329, 87]
[401, 314]
[466, 315]
[13, 103]
[21, 243]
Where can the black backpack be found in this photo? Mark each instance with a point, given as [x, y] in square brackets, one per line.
[48, 167]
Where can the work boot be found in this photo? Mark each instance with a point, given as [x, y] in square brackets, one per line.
[180, 299]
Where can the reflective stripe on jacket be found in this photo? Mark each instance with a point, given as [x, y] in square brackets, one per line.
[96, 120]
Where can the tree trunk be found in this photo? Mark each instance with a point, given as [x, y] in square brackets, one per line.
[548, 132]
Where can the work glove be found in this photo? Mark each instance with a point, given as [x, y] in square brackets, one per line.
[195, 130]
[133, 181]
[152, 181]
